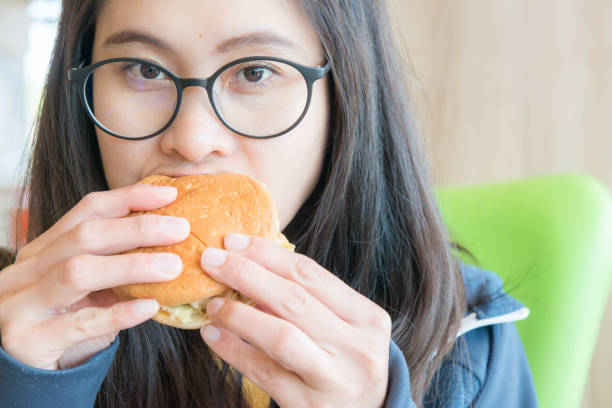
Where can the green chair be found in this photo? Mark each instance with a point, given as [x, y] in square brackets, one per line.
[550, 239]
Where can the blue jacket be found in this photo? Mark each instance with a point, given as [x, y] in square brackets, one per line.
[486, 368]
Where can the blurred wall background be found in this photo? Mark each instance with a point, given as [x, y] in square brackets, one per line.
[504, 89]
[27, 30]
[13, 107]
[508, 89]
[512, 88]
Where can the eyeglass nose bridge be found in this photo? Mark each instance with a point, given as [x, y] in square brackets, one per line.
[187, 82]
[201, 82]
[205, 83]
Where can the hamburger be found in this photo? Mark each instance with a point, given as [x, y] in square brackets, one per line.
[214, 205]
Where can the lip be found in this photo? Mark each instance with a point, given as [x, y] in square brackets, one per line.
[174, 173]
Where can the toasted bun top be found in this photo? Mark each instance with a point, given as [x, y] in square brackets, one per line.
[214, 205]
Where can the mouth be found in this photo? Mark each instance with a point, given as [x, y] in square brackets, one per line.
[175, 173]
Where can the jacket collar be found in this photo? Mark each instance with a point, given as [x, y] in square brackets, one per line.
[488, 303]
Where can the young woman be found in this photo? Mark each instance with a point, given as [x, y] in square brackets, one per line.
[306, 96]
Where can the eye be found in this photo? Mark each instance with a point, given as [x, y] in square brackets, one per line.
[149, 71]
[258, 73]
[144, 71]
[255, 73]
[254, 77]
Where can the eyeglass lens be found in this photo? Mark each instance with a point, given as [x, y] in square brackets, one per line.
[257, 98]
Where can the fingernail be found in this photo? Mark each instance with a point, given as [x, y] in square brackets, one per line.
[169, 264]
[214, 305]
[145, 307]
[176, 226]
[213, 257]
[211, 333]
[237, 242]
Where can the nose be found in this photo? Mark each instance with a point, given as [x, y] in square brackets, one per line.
[197, 132]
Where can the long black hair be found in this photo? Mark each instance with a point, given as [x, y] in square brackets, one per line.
[372, 219]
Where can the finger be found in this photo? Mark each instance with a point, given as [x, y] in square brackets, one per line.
[284, 298]
[279, 339]
[103, 204]
[282, 386]
[76, 278]
[99, 237]
[109, 236]
[81, 352]
[65, 330]
[103, 298]
[330, 290]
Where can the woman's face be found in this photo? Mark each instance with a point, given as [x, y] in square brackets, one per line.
[201, 36]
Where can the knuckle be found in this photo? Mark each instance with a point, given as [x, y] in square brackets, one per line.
[285, 344]
[381, 321]
[243, 269]
[116, 317]
[306, 271]
[294, 300]
[377, 345]
[72, 270]
[137, 263]
[84, 321]
[265, 375]
[373, 368]
[90, 200]
[371, 365]
[262, 374]
[82, 233]
[372, 353]
[146, 222]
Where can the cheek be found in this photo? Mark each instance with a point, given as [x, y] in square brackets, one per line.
[294, 161]
[124, 161]
[305, 170]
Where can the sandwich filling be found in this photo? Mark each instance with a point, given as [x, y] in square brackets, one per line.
[193, 312]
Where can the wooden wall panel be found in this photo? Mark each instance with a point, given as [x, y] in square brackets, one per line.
[514, 88]
[507, 89]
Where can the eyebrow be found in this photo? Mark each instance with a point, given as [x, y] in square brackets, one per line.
[257, 38]
[241, 41]
[132, 36]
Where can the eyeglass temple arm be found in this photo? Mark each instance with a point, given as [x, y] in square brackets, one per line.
[73, 70]
[324, 69]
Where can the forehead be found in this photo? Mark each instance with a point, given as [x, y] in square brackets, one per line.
[208, 30]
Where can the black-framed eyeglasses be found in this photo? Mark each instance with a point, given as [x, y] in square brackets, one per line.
[135, 99]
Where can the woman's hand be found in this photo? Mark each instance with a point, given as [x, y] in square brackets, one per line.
[55, 306]
[311, 341]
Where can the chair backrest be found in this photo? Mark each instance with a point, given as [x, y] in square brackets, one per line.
[550, 240]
